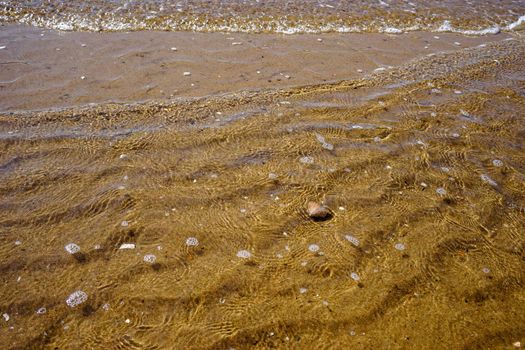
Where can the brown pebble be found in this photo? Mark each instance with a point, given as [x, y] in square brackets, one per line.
[318, 211]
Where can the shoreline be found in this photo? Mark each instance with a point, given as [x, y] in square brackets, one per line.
[47, 69]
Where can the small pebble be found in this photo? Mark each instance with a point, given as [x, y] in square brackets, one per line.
[303, 290]
[317, 211]
[517, 344]
[124, 223]
[83, 77]
[355, 276]
[41, 311]
[319, 39]
[423, 184]
[18, 242]
[399, 246]
[192, 242]
[76, 298]
[2, 47]
[150, 258]
[272, 176]
[186, 74]
[6, 317]
[485, 270]
[128, 321]
[123, 157]
[173, 49]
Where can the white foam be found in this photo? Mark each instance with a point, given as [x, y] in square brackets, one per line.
[353, 240]
[391, 30]
[497, 162]
[244, 254]
[150, 258]
[192, 242]
[447, 27]
[399, 246]
[313, 248]
[72, 248]
[306, 160]
[76, 298]
[127, 246]
[323, 142]
[489, 180]
[517, 23]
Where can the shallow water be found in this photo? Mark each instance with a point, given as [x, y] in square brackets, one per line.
[189, 226]
[290, 16]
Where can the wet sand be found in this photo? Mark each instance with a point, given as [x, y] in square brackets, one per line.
[422, 167]
[43, 69]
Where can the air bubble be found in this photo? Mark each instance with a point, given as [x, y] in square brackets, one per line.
[192, 242]
[353, 240]
[355, 276]
[485, 270]
[399, 246]
[313, 248]
[41, 311]
[72, 248]
[150, 258]
[244, 254]
[76, 298]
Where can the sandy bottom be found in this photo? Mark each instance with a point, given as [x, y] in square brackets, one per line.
[43, 69]
[422, 167]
